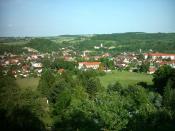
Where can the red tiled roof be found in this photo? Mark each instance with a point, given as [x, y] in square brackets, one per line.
[61, 70]
[167, 62]
[90, 63]
[152, 69]
[159, 54]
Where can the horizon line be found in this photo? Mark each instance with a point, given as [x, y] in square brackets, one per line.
[83, 34]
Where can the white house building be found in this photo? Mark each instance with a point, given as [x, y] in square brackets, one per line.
[89, 65]
[158, 55]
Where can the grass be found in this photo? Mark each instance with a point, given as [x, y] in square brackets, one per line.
[125, 78]
[16, 42]
[28, 82]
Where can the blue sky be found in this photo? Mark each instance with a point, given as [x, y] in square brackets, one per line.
[57, 17]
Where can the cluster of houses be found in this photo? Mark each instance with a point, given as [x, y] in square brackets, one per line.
[124, 60]
[132, 61]
[21, 65]
[159, 59]
[30, 64]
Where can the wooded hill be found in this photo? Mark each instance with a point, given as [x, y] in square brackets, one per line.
[161, 42]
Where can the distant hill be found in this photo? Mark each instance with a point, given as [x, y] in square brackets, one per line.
[40, 44]
[123, 42]
[162, 42]
[43, 45]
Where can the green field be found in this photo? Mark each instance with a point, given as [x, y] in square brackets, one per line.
[20, 42]
[28, 82]
[125, 78]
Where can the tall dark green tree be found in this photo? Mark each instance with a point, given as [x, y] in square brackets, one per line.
[144, 67]
[169, 96]
[19, 109]
[161, 77]
[57, 88]
[46, 81]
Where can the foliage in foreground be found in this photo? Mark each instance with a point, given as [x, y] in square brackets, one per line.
[81, 103]
[20, 109]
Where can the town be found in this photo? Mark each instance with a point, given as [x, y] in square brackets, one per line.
[31, 63]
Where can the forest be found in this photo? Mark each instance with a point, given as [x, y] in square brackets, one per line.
[78, 101]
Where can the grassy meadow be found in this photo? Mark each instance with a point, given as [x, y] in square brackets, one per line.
[125, 78]
[28, 82]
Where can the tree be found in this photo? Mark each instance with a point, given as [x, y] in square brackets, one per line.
[20, 119]
[169, 96]
[144, 67]
[19, 109]
[108, 64]
[43, 45]
[93, 86]
[90, 82]
[111, 112]
[46, 62]
[46, 81]
[58, 87]
[60, 63]
[117, 87]
[161, 77]
[9, 92]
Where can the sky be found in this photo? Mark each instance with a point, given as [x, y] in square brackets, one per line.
[58, 17]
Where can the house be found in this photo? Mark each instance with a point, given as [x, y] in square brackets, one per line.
[96, 47]
[14, 61]
[60, 71]
[34, 57]
[88, 65]
[7, 62]
[159, 55]
[170, 63]
[86, 57]
[151, 70]
[97, 57]
[69, 58]
[30, 49]
[37, 65]
[106, 55]
[25, 68]
[111, 47]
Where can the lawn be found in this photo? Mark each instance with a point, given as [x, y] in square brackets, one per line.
[28, 82]
[20, 42]
[125, 78]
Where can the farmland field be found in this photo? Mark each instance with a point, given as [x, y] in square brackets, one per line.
[125, 78]
[28, 82]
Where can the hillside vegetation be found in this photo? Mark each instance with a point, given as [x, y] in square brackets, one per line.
[65, 102]
[161, 42]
